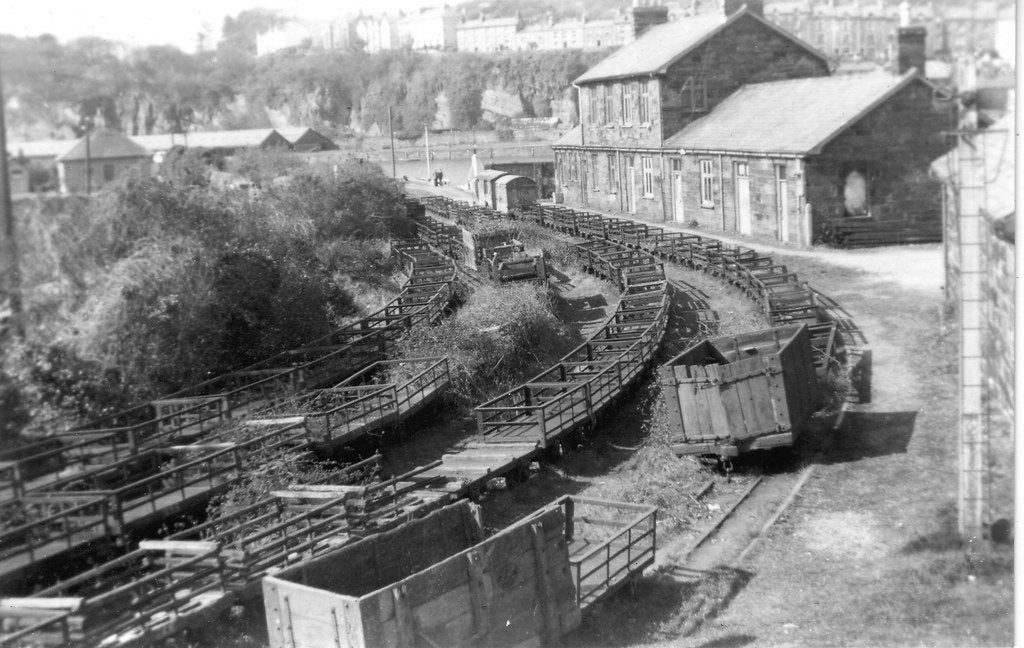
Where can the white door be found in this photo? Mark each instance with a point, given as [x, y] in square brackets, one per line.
[742, 175]
[782, 202]
[677, 196]
[630, 189]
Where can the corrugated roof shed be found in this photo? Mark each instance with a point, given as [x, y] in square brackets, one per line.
[303, 138]
[104, 144]
[662, 45]
[798, 116]
[231, 139]
[40, 148]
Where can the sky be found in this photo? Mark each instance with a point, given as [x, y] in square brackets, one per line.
[174, 22]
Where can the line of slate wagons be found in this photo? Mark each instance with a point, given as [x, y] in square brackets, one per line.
[733, 394]
[468, 234]
[728, 395]
[178, 581]
[86, 490]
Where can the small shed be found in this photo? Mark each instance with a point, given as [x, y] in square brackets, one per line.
[100, 159]
[483, 186]
[305, 140]
[733, 394]
[513, 191]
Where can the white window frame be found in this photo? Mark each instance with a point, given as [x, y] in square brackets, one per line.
[609, 106]
[707, 183]
[647, 176]
[644, 105]
[626, 104]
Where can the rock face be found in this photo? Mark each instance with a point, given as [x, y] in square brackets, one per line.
[501, 102]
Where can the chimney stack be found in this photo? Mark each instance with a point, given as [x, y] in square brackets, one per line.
[729, 7]
[910, 52]
[647, 15]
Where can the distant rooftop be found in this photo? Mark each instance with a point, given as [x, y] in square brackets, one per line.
[660, 46]
[103, 144]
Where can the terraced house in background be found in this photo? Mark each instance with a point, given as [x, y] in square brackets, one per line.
[731, 123]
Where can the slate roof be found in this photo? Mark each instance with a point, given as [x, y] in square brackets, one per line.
[660, 46]
[490, 174]
[574, 137]
[228, 139]
[40, 148]
[104, 144]
[306, 138]
[797, 117]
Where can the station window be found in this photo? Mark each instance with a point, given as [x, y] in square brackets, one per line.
[647, 166]
[645, 102]
[627, 104]
[707, 184]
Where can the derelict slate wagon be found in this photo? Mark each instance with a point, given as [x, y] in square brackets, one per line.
[436, 582]
[734, 394]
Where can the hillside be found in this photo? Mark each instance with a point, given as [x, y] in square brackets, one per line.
[52, 87]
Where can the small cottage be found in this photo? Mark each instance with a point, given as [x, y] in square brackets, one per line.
[100, 159]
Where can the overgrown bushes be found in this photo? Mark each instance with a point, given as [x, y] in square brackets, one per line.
[169, 280]
[504, 335]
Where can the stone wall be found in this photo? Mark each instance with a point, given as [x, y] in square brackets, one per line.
[747, 51]
[893, 146]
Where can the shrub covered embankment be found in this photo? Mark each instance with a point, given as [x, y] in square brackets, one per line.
[503, 336]
[167, 281]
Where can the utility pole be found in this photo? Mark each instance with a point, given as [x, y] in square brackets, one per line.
[87, 122]
[7, 209]
[391, 130]
[426, 141]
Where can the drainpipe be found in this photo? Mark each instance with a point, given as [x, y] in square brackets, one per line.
[721, 187]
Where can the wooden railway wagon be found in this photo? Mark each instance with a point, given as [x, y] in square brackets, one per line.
[735, 394]
[135, 599]
[513, 427]
[783, 297]
[485, 240]
[443, 584]
[512, 192]
[483, 187]
[382, 395]
[305, 521]
[191, 414]
[138, 493]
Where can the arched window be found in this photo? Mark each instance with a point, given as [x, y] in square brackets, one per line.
[855, 193]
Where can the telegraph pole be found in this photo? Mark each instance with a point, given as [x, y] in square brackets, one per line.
[7, 213]
[88, 156]
[391, 130]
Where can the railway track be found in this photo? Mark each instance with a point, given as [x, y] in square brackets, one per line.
[513, 429]
[123, 474]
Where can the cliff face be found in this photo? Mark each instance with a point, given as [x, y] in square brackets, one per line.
[331, 91]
